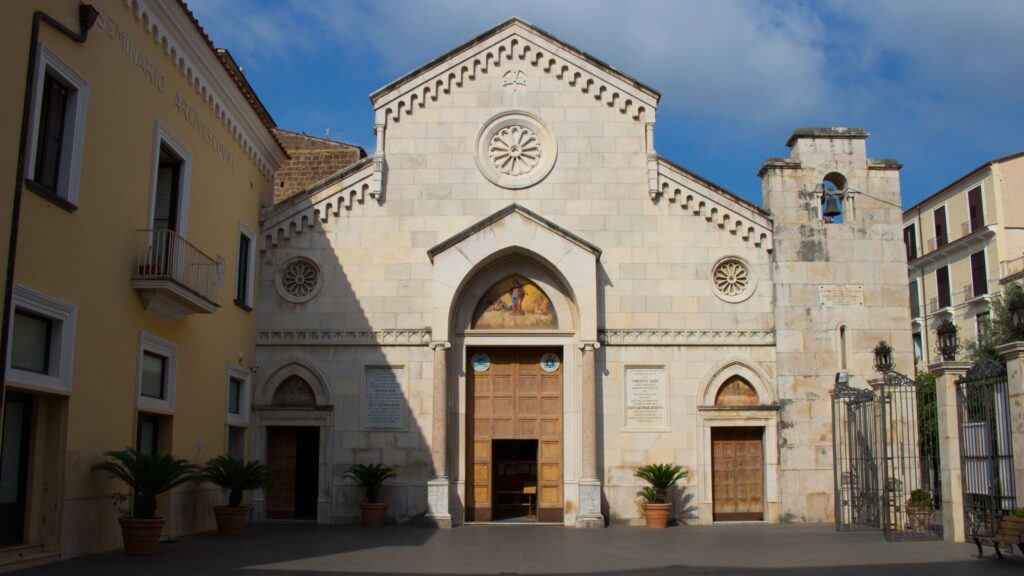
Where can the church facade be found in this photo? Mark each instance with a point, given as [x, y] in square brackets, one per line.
[516, 302]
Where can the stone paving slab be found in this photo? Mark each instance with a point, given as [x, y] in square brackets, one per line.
[286, 550]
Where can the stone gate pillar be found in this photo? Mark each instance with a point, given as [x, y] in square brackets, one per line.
[1013, 353]
[590, 484]
[946, 374]
[438, 486]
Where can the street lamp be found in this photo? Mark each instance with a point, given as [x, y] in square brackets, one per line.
[883, 357]
[1017, 316]
[947, 343]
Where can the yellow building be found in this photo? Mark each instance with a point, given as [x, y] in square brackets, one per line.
[141, 163]
[963, 243]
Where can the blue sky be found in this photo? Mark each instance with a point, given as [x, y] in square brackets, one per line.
[939, 84]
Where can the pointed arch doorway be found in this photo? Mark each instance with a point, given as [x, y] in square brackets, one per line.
[292, 409]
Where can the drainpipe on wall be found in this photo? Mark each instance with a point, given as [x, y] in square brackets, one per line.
[87, 15]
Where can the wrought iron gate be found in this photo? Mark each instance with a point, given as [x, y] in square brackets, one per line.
[878, 459]
[986, 451]
[854, 443]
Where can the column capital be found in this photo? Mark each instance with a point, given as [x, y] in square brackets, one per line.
[589, 345]
[950, 368]
[1011, 351]
[440, 344]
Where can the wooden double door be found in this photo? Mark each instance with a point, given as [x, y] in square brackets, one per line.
[293, 453]
[511, 396]
[737, 465]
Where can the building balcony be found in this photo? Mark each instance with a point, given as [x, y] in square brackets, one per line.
[1011, 269]
[173, 277]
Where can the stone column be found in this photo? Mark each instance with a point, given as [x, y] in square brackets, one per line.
[590, 484]
[438, 486]
[946, 374]
[1013, 353]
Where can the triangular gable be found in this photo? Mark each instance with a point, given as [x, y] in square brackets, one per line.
[521, 42]
[505, 213]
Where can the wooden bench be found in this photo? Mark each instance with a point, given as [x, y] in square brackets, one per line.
[1011, 531]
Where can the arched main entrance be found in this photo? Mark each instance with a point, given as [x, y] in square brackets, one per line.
[520, 291]
[515, 389]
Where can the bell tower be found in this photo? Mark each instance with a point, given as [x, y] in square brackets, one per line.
[840, 275]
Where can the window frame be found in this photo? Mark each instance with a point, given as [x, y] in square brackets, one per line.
[974, 278]
[58, 377]
[163, 137]
[938, 288]
[945, 226]
[247, 232]
[69, 170]
[914, 293]
[911, 247]
[241, 419]
[169, 350]
[981, 209]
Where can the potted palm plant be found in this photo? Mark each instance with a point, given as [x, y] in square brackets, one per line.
[660, 477]
[147, 477]
[919, 510]
[371, 477]
[236, 476]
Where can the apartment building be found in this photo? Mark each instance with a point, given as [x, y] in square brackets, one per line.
[963, 244]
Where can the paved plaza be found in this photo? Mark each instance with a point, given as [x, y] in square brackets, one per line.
[282, 549]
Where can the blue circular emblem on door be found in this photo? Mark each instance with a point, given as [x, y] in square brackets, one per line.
[550, 362]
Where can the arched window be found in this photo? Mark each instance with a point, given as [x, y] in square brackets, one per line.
[833, 195]
[294, 392]
[736, 391]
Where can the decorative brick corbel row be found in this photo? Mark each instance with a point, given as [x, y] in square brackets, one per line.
[725, 210]
[516, 47]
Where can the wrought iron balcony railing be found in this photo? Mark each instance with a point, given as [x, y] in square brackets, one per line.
[169, 263]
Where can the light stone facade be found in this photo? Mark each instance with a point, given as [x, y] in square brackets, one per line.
[645, 263]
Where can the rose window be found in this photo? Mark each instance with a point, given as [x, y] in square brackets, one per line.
[515, 150]
[298, 280]
[732, 278]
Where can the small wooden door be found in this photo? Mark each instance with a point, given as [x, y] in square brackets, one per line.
[281, 455]
[515, 399]
[737, 465]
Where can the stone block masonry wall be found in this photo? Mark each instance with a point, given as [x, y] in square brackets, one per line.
[311, 160]
[827, 276]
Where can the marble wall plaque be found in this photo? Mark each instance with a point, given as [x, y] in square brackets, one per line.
[646, 398]
[841, 295]
[384, 404]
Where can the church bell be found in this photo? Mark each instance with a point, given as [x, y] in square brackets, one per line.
[832, 207]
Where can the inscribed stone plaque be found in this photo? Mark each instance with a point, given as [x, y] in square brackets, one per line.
[646, 398]
[841, 295]
[384, 406]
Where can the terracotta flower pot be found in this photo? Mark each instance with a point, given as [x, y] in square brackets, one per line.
[657, 515]
[141, 535]
[374, 515]
[230, 519]
[920, 518]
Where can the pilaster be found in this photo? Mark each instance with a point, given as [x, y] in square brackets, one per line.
[946, 374]
[590, 485]
[439, 511]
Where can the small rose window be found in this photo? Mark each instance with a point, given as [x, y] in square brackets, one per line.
[299, 280]
[732, 279]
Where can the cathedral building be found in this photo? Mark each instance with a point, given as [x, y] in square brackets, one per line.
[516, 302]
